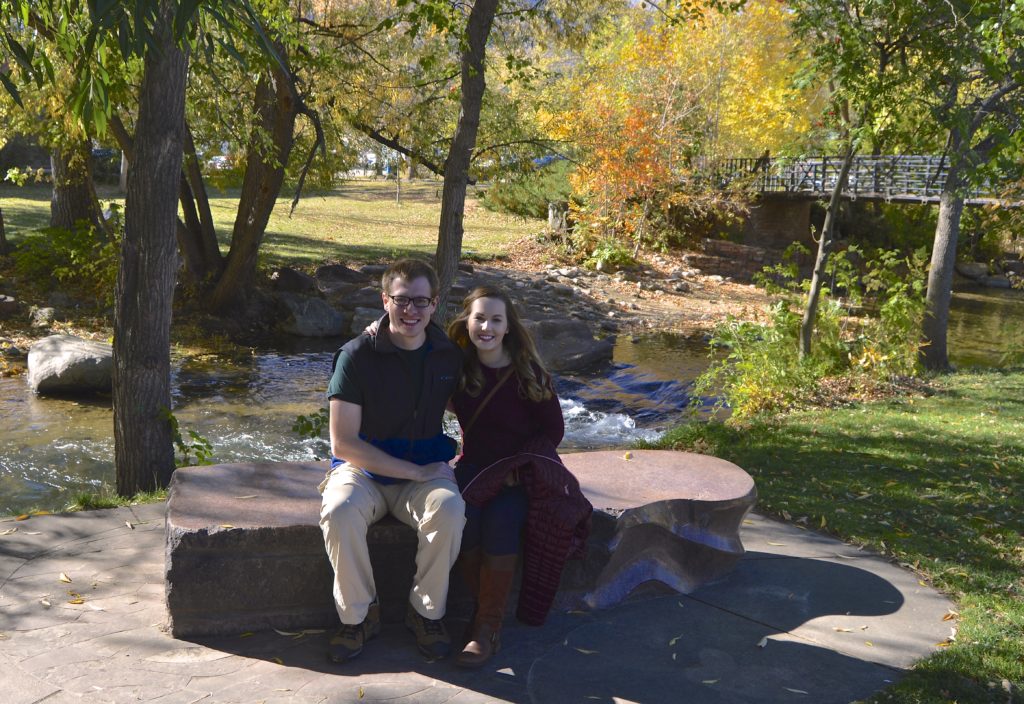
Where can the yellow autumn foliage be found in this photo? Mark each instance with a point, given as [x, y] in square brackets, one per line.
[651, 99]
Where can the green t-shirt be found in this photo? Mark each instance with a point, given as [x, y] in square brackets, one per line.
[345, 383]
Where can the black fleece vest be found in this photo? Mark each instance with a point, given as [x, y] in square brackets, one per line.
[390, 409]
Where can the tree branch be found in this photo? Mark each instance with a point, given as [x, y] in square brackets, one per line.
[380, 138]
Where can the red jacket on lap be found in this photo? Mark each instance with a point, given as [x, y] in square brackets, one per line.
[557, 520]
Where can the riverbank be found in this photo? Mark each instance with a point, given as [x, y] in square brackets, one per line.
[936, 483]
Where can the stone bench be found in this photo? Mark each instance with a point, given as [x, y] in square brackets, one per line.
[244, 551]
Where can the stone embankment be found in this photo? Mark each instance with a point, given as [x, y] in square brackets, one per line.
[575, 313]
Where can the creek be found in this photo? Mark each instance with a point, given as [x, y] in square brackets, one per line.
[51, 449]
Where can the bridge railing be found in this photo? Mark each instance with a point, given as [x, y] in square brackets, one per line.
[885, 177]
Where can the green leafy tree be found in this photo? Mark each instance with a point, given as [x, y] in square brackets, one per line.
[160, 33]
[961, 67]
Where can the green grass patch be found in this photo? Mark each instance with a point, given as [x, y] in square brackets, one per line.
[358, 221]
[935, 482]
[88, 501]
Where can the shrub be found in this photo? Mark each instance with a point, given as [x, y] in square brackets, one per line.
[83, 260]
[762, 371]
[528, 194]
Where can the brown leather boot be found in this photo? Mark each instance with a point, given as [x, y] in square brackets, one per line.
[468, 566]
[469, 569]
[496, 573]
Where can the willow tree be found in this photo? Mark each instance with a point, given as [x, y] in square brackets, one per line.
[159, 32]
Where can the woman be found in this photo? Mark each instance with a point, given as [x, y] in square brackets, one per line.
[509, 472]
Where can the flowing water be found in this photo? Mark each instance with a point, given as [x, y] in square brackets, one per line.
[51, 449]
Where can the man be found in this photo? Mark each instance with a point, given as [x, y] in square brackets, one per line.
[387, 399]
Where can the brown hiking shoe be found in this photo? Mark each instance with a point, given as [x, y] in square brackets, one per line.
[349, 640]
[431, 635]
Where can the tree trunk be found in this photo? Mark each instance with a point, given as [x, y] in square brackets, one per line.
[824, 245]
[143, 444]
[211, 250]
[197, 237]
[934, 354]
[276, 109]
[74, 196]
[3, 236]
[456, 167]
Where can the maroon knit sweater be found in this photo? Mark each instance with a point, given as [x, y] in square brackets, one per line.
[513, 434]
[507, 422]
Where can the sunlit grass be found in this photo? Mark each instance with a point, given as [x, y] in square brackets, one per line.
[935, 482]
[358, 221]
[88, 501]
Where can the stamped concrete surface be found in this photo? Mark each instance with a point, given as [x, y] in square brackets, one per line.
[802, 618]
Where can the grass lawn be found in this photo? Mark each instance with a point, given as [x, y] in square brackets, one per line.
[937, 483]
[358, 221]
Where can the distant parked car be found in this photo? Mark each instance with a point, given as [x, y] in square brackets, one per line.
[547, 159]
[218, 163]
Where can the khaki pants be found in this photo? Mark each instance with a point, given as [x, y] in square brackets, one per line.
[352, 502]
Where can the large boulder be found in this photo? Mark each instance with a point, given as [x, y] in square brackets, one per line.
[972, 270]
[361, 317]
[995, 281]
[569, 345]
[65, 364]
[291, 280]
[9, 307]
[350, 299]
[312, 317]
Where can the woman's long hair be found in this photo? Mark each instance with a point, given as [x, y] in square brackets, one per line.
[533, 386]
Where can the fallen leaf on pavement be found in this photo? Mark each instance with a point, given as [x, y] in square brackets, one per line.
[9, 531]
[129, 524]
[951, 615]
[708, 681]
[763, 642]
[225, 525]
[64, 578]
[249, 496]
[778, 545]
[676, 639]
[794, 691]
[279, 661]
[587, 652]
[45, 602]
[23, 517]
[840, 629]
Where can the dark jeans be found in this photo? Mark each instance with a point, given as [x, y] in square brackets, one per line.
[497, 527]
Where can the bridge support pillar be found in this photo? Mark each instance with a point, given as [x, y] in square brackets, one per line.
[775, 223]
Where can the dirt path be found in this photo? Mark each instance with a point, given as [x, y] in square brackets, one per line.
[664, 294]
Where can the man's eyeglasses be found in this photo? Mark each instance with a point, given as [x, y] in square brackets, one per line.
[403, 301]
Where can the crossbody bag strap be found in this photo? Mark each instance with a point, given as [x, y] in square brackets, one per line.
[504, 377]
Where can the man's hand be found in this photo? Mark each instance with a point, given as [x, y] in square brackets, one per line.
[438, 470]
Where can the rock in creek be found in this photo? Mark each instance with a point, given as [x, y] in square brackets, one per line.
[65, 364]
